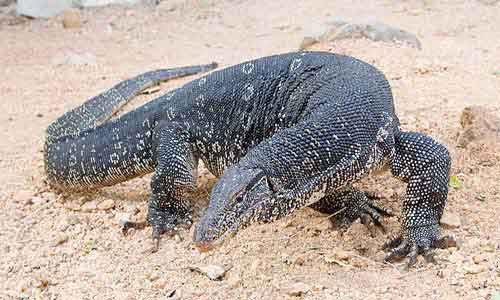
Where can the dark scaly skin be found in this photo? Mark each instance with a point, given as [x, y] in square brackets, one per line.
[282, 131]
[341, 128]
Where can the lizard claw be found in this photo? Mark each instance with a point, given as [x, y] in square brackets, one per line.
[166, 222]
[417, 241]
[365, 210]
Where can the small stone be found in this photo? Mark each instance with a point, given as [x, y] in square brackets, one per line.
[340, 254]
[234, 281]
[72, 220]
[298, 289]
[299, 261]
[214, 272]
[123, 219]
[489, 247]
[42, 282]
[89, 206]
[160, 283]
[475, 269]
[37, 200]
[450, 220]
[153, 276]
[477, 259]
[72, 18]
[60, 239]
[307, 42]
[23, 196]
[106, 204]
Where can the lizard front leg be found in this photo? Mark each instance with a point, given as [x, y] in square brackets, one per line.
[425, 165]
[350, 204]
[174, 176]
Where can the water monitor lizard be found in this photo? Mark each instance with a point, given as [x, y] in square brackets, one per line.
[281, 132]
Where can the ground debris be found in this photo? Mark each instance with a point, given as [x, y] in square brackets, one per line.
[450, 220]
[213, 272]
[71, 18]
[297, 289]
[371, 29]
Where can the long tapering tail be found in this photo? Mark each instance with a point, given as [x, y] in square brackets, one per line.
[84, 150]
[100, 108]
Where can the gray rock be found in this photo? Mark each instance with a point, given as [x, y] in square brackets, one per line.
[85, 59]
[370, 29]
[91, 3]
[42, 8]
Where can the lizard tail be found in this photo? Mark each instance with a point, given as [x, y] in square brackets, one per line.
[100, 108]
[84, 149]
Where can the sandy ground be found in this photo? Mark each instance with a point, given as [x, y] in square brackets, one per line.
[54, 247]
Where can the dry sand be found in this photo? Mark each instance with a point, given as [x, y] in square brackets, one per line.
[54, 247]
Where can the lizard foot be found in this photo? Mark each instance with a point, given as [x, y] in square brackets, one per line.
[415, 241]
[163, 222]
[364, 209]
[167, 222]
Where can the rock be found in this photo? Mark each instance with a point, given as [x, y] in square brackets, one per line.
[6, 2]
[299, 261]
[477, 259]
[450, 220]
[370, 29]
[475, 269]
[234, 281]
[72, 220]
[91, 3]
[153, 276]
[214, 272]
[85, 59]
[22, 196]
[123, 219]
[71, 18]
[489, 2]
[89, 206]
[60, 239]
[338, 256]
[160, 284]
[297, 289]
[42, 8]
[37, 200]
[307, 42]
[106, 204]
[479, 123]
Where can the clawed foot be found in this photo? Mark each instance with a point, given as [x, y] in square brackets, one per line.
[364, 209]
[415, 241]
[164, 222]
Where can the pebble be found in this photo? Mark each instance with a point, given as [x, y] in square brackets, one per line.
[299, 261]
[60, 239]
[477, 259]
[475, 269]
[36, 200]
[297, 289]
[23, 196]
[450, 220]
[106, 204]
[71, 18]
[72, 220]
[123, 219]
[307, 42]
[89, 206]
[213, 272]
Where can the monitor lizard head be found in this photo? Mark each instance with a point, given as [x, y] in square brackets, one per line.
[238, 199]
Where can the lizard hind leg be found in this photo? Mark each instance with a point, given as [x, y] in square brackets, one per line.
[346, 206]
[174, 177]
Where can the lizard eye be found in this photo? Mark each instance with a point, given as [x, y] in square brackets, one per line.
[238, 196]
